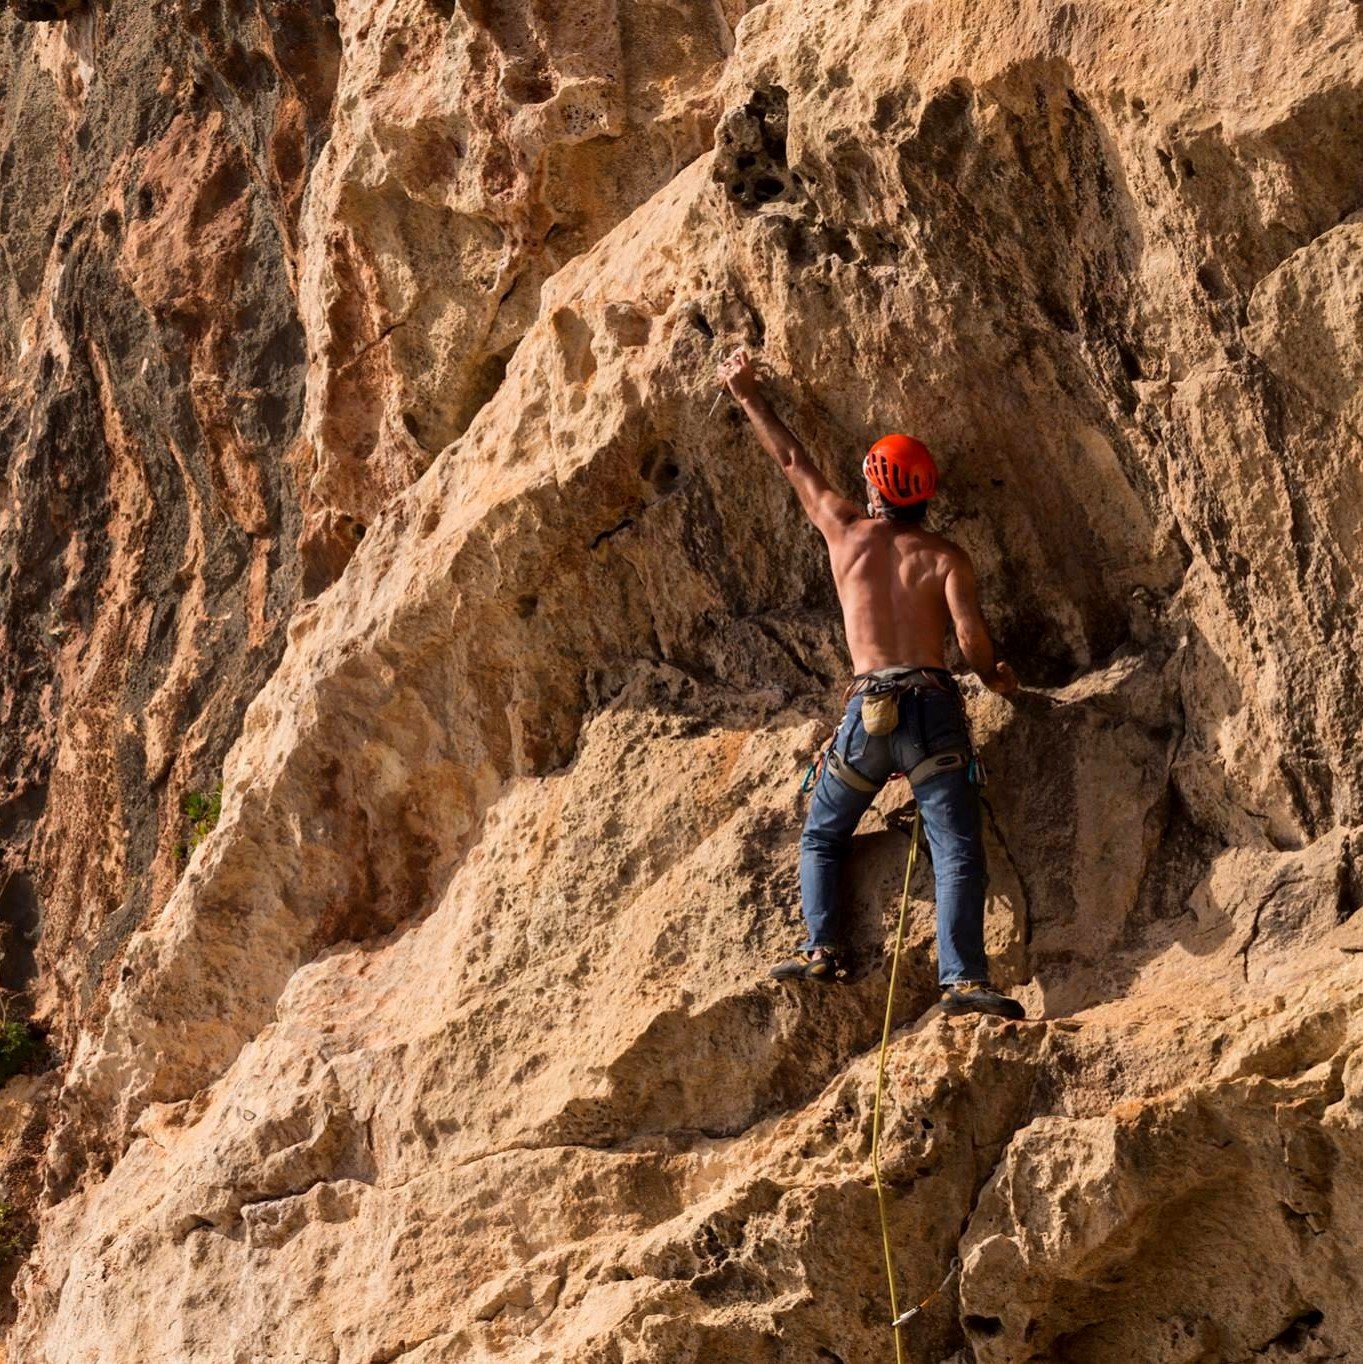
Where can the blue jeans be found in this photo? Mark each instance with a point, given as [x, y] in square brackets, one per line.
[929, 722]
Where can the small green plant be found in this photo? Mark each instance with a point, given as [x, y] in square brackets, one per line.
[202, 809]
[13, 1238]
[18, 1047]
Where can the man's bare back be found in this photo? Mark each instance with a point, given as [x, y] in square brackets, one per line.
[891, 583]
[900, 586]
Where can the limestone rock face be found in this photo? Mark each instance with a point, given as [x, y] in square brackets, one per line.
[475, 148]
[356, 410]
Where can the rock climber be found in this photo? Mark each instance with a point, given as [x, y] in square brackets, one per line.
[900, 586]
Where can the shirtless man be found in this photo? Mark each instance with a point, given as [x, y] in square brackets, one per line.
[900, 587]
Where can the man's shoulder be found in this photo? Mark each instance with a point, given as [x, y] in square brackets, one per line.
[937, 543]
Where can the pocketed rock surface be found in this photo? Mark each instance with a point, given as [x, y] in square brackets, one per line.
[356, 372]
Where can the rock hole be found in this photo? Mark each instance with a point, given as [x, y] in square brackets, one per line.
[988, 1327]
[886, 111]
[1189, 170]
[146, 202]
[767, 187]
[1060, 316]
[110, 223]
[945, 127]
[1296, 1335]
[1350, 885]
[526, 605]
[660, 468]
[358, 530]
[528, 87]
[1211, 279]
[1166, 162]
[746, 162]
[575, 344]
[702, 324]
[927, 1123]
[391, 59]
[1131, 365]
[841, 245]
[493, 370]
[21, 920]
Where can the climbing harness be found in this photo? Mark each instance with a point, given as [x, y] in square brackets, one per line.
[883, 689]
[880, 1092]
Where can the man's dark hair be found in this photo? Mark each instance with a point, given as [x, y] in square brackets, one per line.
[907, 516]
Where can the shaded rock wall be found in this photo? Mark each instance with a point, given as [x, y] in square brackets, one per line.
[357, 376]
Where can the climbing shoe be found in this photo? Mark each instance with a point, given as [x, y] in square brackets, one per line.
[819, 964]
[974, 997]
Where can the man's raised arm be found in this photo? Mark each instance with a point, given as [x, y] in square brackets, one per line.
[972, 634]
[821, 504]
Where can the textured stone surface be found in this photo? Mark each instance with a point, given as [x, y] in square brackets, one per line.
[474, 149]
[451, 1042]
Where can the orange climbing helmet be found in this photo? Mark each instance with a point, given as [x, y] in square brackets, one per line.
[901, 469]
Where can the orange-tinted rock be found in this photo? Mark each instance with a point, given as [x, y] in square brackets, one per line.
[453, 1041]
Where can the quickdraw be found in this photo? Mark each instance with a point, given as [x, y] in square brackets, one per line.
[812, 771]
[936, 1292]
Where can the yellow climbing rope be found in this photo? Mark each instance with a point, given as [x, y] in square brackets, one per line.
[880, 1091]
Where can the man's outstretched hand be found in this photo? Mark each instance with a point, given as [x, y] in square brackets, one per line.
[1004, 680]
[739, 376]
